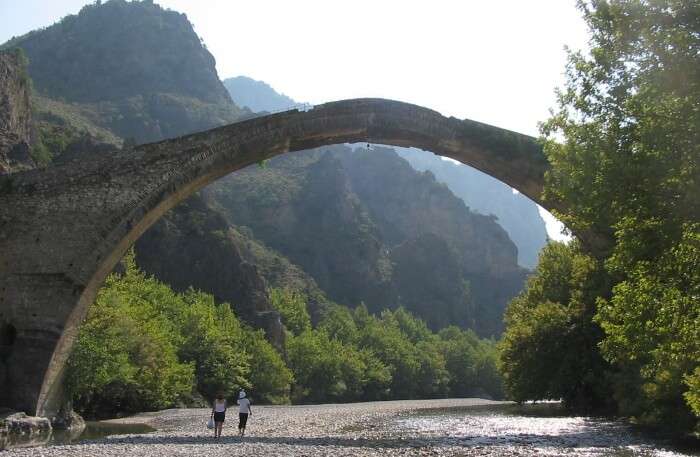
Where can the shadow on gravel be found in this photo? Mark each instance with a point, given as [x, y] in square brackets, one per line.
[567, 440]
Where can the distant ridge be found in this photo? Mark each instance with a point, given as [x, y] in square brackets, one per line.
[256, 95]
[516, 214]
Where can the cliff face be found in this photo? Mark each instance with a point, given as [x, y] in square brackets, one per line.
[15, 113]
[194, 246]
[514, 212]
[368, 228]
[406, 204]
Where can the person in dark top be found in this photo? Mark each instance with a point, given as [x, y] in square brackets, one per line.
[218, 412]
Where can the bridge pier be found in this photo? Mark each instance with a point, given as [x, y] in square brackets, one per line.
[35, 313]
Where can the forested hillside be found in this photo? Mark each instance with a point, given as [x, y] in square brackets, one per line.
[368, 228]
[481, 193]
[131, 67]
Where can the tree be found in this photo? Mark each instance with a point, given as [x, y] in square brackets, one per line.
[292, 307]
[213, 341]
[339, 323]
[628, 171]
[550, 347]
[270, 378]
[652, 325]
[125, 358]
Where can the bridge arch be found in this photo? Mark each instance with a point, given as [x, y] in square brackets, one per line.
[64, 228]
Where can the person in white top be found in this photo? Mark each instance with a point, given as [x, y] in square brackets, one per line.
[218, 413]
[243, 412]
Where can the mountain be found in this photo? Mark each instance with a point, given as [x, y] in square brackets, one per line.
[257, 96]
[118, 50]
[369, 228]
[514, 212]
[517, 214]
[132, 68]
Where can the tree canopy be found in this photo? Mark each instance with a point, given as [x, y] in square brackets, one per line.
[624, 145]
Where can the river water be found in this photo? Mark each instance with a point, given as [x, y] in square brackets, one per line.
[531, 430]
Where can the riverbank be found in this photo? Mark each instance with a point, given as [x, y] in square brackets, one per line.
[313, 430]
[450, 427]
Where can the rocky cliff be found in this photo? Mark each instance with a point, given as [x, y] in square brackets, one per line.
[516, 213]
[368, 228]
[15, 113]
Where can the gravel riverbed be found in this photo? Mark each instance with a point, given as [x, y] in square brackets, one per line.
[315, 430]
[450, 427]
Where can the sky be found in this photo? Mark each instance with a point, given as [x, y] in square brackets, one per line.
[493, 61]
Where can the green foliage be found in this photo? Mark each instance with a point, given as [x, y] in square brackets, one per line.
[125, 358]
[628, 167]
[292, 307]
[269, 375]
[652, 326]
[213, 343]
[323, 367]
[145, 347]
[339, 323]
[549, 349]
[51, 140]
[354, 355]
[627, 178]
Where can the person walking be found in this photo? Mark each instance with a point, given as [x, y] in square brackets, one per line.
[243, 412]
[218, 413]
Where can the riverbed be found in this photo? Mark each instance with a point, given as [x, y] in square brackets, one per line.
[452, 427]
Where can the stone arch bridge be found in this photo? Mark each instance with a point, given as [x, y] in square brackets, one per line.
[64, 228]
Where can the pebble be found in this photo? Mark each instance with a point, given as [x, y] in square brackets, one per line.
[334, 430]
[386, 429]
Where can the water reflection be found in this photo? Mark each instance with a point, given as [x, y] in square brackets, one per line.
[97, 430]
[92, 431]
[530, 430]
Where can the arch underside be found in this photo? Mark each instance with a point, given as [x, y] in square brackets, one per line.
[64, 228]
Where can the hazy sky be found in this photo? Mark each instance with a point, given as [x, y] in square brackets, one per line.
[494, 61]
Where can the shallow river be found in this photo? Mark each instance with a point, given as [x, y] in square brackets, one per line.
[531, 430]
[461, 427]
